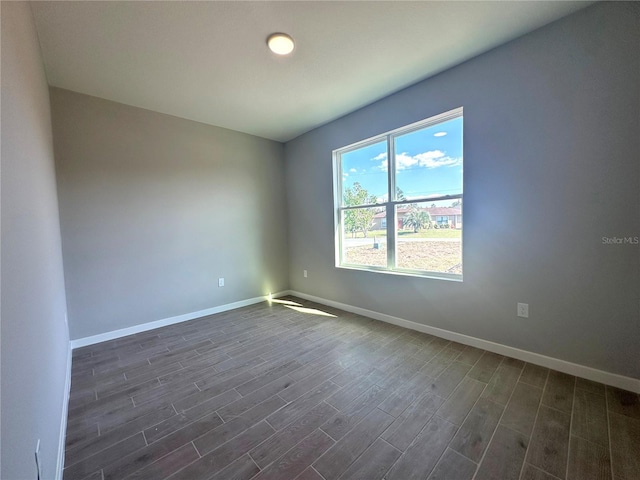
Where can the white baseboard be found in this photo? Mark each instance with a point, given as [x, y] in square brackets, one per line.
[63, 421]
[103, 337]
[615, 380]
[620, 381]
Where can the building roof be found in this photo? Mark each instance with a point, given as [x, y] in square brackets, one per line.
[433, 211]
[444, 210]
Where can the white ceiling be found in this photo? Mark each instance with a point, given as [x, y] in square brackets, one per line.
[208, 61]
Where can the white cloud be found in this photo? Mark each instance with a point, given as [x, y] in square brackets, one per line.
[430, 159]
[353, 170]
[435, 159]
[404, 161]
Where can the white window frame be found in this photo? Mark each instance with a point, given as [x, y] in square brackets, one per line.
[389, 206]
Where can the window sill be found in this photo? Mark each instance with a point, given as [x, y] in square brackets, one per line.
[405, 273]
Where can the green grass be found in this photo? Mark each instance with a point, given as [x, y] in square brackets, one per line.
[431, 233]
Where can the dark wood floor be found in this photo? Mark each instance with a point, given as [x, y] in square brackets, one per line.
[271, 392]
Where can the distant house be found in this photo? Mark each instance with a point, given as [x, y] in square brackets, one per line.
[439, 216]
[450, 215]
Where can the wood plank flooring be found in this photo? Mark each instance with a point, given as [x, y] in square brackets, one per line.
[296, 390]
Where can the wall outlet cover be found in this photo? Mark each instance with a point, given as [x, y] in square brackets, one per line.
[523, 310]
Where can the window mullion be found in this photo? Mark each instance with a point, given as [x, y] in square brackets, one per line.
[391, 211]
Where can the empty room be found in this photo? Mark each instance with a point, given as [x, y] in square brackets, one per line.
[320, 240]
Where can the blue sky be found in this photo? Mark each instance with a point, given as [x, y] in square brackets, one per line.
[428, 163]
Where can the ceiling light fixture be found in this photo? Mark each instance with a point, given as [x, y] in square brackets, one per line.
[280, 43]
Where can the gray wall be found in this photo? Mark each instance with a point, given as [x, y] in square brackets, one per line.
[35, 340]
[154, 208]
[551, 145]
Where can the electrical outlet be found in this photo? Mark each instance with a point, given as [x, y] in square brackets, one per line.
[38, 468]
[523, 310]
[304, 272]
[221, 282]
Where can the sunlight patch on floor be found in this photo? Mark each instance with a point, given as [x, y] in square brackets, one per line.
[283, 302]
[312, 311]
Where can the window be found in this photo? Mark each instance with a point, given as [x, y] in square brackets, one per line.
[398, 200]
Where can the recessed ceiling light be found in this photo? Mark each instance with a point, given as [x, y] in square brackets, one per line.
[439, 134]
[280, 43]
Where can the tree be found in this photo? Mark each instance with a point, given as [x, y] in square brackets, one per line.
[360, 219]
[417, 219]
[400, 195]
[349, 222]
[457, 203]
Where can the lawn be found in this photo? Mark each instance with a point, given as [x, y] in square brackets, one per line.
[431, 233]
[431, 256]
